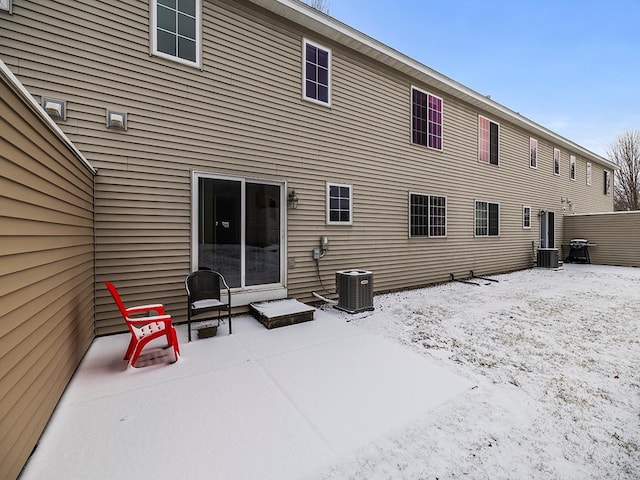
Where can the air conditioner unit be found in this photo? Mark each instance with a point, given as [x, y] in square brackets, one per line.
[548, 257]
[355, 290]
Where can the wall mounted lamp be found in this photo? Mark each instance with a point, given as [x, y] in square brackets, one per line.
[292, 199]
[5, 5]
[116, 120]
[55, 108]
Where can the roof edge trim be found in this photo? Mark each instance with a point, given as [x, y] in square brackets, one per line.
[24, 94]
[299, 11]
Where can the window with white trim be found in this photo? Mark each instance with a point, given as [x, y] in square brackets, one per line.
[488, 139]
[588, 173]
[533, 152]
[339, 204]
[426, 119]
[556, 161]
[487, 219]
[427, 215]
[176, 30]
[316, 67]
[607, 182]
[526, 216]
[572, 167]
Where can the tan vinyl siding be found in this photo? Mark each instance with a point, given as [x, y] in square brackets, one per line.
[46, 274]
[617, 236]
[242, 114]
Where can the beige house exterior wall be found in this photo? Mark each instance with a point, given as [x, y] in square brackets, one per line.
[46, 271]
[242, 114]
[616, 234]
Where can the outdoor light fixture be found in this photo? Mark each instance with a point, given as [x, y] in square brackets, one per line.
[5, 5]
[55, 108]
[292, 199]
[567, 204]
[116, 120]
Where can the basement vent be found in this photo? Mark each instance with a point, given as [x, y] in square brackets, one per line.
[355, 290]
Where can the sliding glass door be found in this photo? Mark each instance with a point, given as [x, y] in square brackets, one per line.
[239, 229]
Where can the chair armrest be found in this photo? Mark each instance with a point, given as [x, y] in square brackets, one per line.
[166, 319]
[228, 289]
[158, 308]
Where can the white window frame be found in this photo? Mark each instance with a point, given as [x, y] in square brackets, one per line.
[306, 42]
[413, 87]
[572, 167]
[328, 203]
[446, 215]
[607, 182]
[533, 152]
[475, 210]
[488, 162]
[589, 173]
[5, 6]
[526, 215]
[153, 22]
[556, 161]
[247, 293]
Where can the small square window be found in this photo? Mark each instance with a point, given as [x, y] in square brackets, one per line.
[487, 219]
[339, 204]
[176, 30]
[427, 215]
[316, 85]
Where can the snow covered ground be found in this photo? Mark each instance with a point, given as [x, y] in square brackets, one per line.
[534, 377]
[555, 356]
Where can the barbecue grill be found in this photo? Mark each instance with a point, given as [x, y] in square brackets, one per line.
[579, 251]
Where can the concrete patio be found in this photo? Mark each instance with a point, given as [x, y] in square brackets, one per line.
[258, 404]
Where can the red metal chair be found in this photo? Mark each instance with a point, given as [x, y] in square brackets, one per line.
[145, 329]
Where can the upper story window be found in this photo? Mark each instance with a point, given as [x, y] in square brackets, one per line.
[556, 161]
[427, 215]
[526, 216]
[488, 136]
[607, 182]
[316, 84]
[533, 153]
[426, 119]
[487, 219]
[175, 30]
[588, 173]
[572, 167]
[339, 204]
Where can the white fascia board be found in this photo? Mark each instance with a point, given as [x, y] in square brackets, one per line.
[23, 93]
